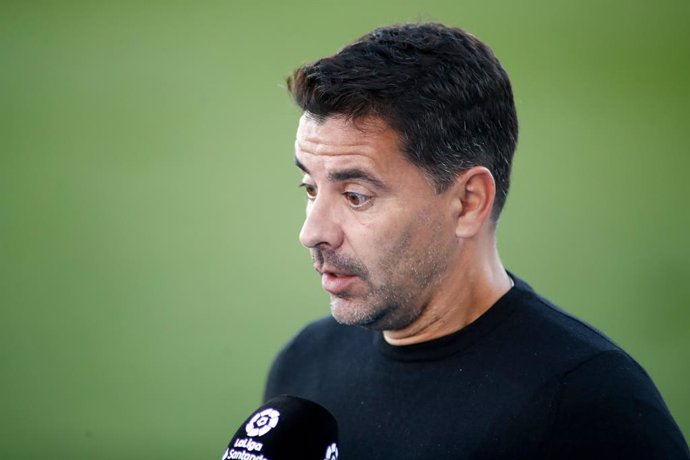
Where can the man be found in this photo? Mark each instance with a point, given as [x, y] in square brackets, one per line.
[405, 145]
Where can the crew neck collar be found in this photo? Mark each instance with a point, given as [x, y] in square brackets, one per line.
[455, 342]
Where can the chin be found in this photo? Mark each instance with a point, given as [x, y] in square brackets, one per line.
[352, 313]
[378, 318]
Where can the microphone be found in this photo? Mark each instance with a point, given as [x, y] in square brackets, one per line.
[286, 428]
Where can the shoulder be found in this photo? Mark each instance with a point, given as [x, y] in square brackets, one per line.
[313, 353]
[310, 340]
[605, 404]
[322, 333]
[553, 334]
[610, 408]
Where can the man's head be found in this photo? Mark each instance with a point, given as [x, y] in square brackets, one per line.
[442, 90]
[405, 144]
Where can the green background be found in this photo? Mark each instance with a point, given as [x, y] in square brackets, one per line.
[149, 262]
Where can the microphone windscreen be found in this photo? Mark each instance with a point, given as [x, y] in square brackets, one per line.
[286, 428]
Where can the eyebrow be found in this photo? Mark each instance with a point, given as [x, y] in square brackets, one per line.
[348, 174]
[301, 166]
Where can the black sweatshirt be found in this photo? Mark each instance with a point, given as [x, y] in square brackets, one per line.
[524, 381]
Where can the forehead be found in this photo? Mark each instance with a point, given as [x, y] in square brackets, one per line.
[340, 140]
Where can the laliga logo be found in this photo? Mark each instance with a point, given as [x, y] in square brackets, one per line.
[332, 452]
[262, 422]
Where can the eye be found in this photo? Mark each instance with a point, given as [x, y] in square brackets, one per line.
[309, 189]
[356, 200]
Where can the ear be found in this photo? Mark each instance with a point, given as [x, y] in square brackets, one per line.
[474, 192]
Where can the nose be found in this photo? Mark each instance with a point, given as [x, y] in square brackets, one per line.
[321, 226]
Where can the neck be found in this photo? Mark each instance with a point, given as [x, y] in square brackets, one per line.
[474, 284]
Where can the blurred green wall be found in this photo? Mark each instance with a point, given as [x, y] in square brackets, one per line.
[149, 262]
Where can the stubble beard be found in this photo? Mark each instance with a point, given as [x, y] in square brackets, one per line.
[409, 276]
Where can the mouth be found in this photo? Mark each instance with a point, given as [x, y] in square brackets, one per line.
[336, 283]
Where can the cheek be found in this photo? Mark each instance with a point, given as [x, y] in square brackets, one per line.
[371, 244]
[413, 244]
[391, 254]
[395, 243]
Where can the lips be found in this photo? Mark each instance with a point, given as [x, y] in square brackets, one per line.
[338, 273]
[336, 283]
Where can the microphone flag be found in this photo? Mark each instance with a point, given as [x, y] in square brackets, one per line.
[286, 428]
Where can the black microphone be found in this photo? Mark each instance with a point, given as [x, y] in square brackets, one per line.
[286, 428]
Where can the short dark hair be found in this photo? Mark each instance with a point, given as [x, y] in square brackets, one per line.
[440, 88]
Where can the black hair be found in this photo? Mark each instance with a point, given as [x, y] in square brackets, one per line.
[440, 88]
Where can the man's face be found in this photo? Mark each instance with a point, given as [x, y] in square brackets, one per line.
[379, 235]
